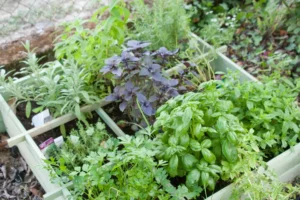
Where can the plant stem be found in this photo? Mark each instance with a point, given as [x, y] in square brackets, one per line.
[139, 106]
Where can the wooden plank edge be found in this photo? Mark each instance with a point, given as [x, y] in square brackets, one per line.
[59, 193]
[53, 124]
[110, 122]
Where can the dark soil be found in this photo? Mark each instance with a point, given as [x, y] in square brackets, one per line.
[16, 179]
[121, 119]
[176, 181]
[21, 114]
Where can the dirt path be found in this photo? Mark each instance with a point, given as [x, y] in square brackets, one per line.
[37, 21]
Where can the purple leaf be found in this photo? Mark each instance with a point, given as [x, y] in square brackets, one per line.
[153, 98]
[128, 57]
[188, 82]
[144, 72]
[123, 106]
[115, 60]
[112, 65]
[173, 92]
[157, 76]
[116, 95]
[129, 85]
[164, 52]
[130, 90]
[117, 71]
[141, 97]
[105, 69]
[172, 82]
[145, 105]
[134, 44]
[111, 97]
[148, 110]
[154, 67]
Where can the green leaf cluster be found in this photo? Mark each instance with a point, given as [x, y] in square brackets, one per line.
[101, 167]
[89, 47]
[264, 185]
[80, 142]
[270, 109]
[226, 129]
[164, 24]
[199, 136]
[59, 86]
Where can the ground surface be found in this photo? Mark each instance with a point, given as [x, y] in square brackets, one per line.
[37, 21]
[16, 179]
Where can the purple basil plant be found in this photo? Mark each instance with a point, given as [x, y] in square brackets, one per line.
[139, 76]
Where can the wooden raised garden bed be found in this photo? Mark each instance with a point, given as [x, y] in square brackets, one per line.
[34, 157]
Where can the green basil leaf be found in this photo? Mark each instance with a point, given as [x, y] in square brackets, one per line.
[215, 169]
[187, 116]
[229, 151]
[216, 148]
[204, 178]
[168, 153]
[188, 161]
[211, 183]
[221, 125]
[206, 143]
[162, 108]
[195, 145]
[173, 165]
[232, 137]
[173, 140]
[184, 140]
[165, 137]
[208, 156]
[197, 131]
[192, 178]
[212, 133]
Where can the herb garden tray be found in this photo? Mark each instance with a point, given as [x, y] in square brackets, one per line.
[34, 157]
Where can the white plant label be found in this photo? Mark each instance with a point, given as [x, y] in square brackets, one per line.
[59, 141]
[41, 118]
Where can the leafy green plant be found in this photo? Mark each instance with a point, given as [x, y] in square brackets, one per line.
[226, 129]
[272, 16]
[200, 136]
[269, 109]
[80, 142]
[205, 12]
[90, 47]
[263, 185]
[220, 24]
[109, 168]
[164, 24]
[293, 24]
[58, 86]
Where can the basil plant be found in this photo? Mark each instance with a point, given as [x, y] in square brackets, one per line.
[202, 140]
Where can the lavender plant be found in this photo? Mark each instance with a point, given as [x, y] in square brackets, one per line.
[141, 83]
